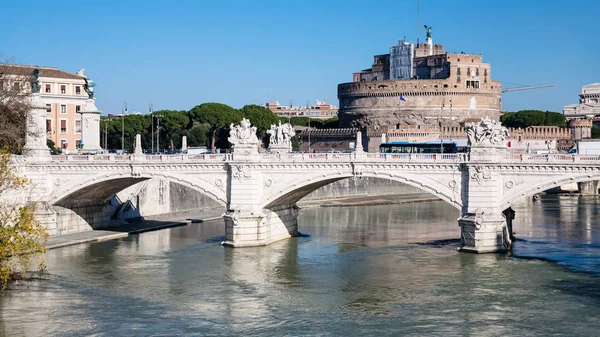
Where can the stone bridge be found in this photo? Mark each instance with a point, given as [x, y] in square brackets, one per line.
[259, 190]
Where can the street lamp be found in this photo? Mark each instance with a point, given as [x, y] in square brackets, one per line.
[151, 111]
[158, 132]
[123, 127]
[309, 151]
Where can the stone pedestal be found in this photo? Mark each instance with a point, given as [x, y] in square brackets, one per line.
[138, 153]
[245, 152]
[36, 143]
[90, 127]
[184, 145]
[281, 148]
[588, 187]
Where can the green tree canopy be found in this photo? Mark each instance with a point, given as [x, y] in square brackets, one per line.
[260, 117]
[218, 117]
[173, 126]
[526, 118]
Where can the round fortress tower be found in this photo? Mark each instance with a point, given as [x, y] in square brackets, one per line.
[420, 85]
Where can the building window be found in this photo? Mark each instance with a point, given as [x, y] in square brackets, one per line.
[78, 90]
[48, 126]
[63, 89]
[458, 71]
[48, 107]
[484, 72]
[458, 60]
[468, 72]
[63, 144]
[476, 71]
[48, 88]
[63, 126]
[77, 143]
[77, 108]
[457, 80]
[63, 109]
[16, 86]
[78, 126]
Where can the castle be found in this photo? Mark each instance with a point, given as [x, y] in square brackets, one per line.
[420, 84]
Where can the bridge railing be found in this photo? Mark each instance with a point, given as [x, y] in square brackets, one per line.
[418, 157]
[402, 157]
[151, 158]
[552, 157]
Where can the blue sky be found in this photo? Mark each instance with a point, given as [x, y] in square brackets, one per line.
[177, 54]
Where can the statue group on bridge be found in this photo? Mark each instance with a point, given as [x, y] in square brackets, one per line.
[281, 135]
[486, 132]
[243, 134]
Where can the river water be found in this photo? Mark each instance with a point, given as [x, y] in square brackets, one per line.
[377, 270]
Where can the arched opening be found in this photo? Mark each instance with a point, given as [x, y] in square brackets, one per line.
[115, 201]
[287, 199]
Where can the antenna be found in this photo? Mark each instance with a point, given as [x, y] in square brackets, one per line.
[418, 20]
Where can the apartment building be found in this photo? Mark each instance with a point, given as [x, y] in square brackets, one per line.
[64, 96]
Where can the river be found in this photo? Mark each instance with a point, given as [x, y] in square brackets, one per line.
[376, 270]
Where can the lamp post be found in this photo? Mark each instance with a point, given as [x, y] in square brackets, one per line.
[309, 151]
[151, 111]
[158, 133]
[81, 132]
[106, 134]
[123, 127]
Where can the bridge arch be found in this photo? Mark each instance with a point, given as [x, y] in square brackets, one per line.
[306, 185]
[103, 186]
[528, 189]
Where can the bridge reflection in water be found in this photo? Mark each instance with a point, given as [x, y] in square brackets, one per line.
[362, 269]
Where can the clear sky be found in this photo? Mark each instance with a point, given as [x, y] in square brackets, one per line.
[180, 53]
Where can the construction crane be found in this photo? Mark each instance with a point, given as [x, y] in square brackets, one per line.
[528, 87]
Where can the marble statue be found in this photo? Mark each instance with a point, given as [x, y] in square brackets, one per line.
[243, 134]
[281, 134]
[487, 132]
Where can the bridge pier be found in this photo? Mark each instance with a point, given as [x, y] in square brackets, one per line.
[484, 233]
[588, 187]
[485, 226]
[251, 229]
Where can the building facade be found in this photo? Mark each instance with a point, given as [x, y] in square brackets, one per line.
[64, 96]
[320, 110]
[420, 85]
[588, 106]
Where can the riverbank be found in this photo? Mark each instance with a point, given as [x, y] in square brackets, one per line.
[148, 224]
[164, 221]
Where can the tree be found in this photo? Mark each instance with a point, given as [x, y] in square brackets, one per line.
[52, 147]
[173, 125]
[595, 132]
[22, 237]
[260, 117]
[14, 107]
[217, 117]
[526, 118]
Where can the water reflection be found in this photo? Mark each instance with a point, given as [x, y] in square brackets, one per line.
[390, 270]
